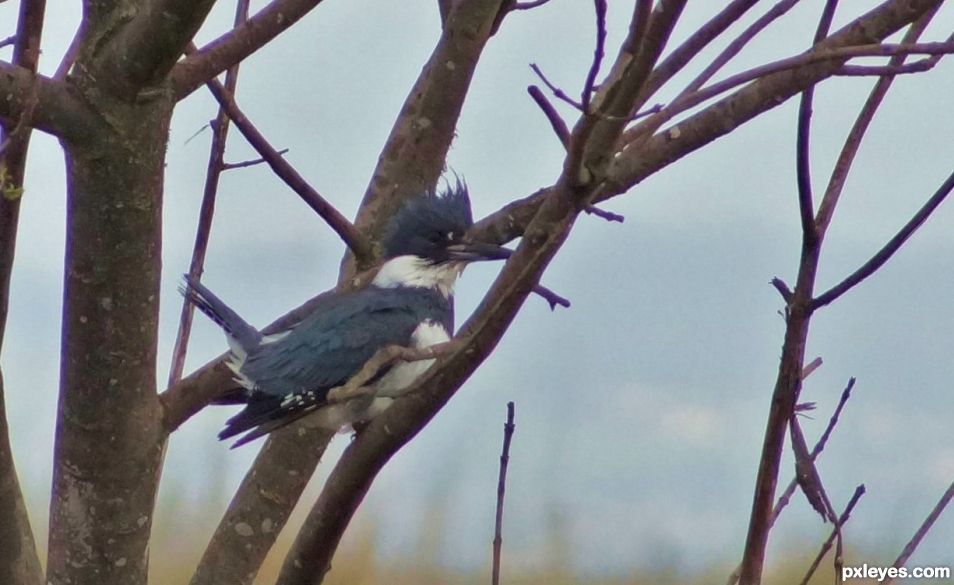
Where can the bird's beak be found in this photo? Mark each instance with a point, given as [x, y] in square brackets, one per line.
[477, 251]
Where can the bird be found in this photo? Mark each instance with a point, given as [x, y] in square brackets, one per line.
[285, 376]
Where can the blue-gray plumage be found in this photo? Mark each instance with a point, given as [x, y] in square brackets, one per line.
[288, 375]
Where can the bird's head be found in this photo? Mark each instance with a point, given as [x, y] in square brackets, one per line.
[424, 242]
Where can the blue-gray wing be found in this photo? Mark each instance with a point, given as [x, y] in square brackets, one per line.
[292, 374]
[332, 344]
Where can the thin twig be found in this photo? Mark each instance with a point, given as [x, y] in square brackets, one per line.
[8, 42]
[782, 289]
[839, 174]
[501, 488]
[559, 93]
[884, 70]
[69, 57]
[344, 228]
[206, 210]
[922, 530]
[806, 474]
[556, 122]
[690, 101]
[859, 491]
[810, 368]
[695, 44]
[602, 213]
[889, 249]
[598, 54]
[551, 297]
[249, 163]
[727, 54]
[806, 205]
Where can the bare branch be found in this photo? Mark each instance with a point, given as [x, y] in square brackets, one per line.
[141, 52]
[786, 495]
[19, 562]
[806, 205]
[413, 157]
[220, 130]
[69, 57]
[642, 159]
[55, 110]
[603, 214]
[788, 381]
[249, 163]
[884, 70]
[501, 489]
[551, 297]
[556, 122]
[639, 160]
[922, 530]
[557, 92]
[686, 102]
[782, 289]
[7, 42]
[836, 530]
[598, 53]
[204, 64]
[889, 249]
[261, 505]
[344, 228]
[846, 157]
[694, 45]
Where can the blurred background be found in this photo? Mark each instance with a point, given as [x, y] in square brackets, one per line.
[640, 410]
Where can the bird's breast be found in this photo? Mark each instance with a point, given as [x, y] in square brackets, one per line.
[403, 374]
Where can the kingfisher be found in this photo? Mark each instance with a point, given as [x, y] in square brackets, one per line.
[288, 375]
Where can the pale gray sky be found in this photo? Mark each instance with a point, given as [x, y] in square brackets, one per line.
[640, 410]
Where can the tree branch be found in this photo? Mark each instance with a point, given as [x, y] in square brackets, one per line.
[413, 156]
[142, 51]
[889, 249]
[55, 110]
[19, 562]
[286, 172]
[501, 488]
[836, 530]
[806, 205]
[637, 161]
[214, 168]
[789, 491]
[261, 505]
[922, 530]
[846, 157]
[640, 160]
[556, 122]
[694, 45]
[204, 64]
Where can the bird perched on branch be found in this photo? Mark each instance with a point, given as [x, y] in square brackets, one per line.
[289, 374]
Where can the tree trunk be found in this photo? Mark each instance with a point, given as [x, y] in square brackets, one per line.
[109, 441]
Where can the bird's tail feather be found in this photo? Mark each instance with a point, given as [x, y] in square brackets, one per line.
[246, 336]
[261, 415]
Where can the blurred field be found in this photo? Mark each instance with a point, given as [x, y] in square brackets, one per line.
[359, 563]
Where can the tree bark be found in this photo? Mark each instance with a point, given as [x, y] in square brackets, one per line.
[109, 437]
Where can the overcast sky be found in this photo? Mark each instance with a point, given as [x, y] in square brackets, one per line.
[640, 411]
